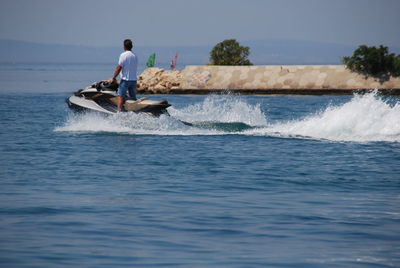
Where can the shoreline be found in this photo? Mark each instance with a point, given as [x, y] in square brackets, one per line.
[312, 92]
[263, 80]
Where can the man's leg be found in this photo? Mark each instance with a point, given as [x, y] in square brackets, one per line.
[120, 103]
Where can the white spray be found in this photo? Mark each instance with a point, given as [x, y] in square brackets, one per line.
[364, 118]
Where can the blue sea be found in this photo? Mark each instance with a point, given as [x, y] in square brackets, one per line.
[257, 181]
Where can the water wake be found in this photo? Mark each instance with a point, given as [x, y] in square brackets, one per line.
[364, 118]
[225, 109]
[216, 115]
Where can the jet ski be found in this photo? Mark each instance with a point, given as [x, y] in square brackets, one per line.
[102, 97]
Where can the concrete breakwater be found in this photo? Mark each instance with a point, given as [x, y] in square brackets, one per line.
[269, 79]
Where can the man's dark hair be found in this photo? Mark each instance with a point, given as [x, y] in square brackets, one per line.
[128, 44]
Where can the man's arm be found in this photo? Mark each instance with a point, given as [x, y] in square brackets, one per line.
[116, 73]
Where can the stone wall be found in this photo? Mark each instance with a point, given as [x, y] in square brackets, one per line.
[289, 79]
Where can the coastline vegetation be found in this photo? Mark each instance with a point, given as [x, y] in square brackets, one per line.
[374, 61]
[230, 52]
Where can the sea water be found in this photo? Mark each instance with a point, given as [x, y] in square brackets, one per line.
[257, 181]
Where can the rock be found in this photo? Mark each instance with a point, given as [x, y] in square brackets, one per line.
[156, 80]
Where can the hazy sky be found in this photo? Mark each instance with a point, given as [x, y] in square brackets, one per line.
[199, 22]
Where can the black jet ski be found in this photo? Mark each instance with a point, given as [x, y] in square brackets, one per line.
[102, 97]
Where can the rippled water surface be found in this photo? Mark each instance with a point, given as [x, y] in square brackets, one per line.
[257, 181]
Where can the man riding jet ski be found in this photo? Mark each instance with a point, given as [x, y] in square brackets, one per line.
[102, 97]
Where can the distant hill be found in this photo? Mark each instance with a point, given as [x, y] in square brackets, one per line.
[26, 52]
[283, 51]
[274, 51]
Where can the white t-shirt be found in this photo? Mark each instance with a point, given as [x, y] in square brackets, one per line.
[128, 61]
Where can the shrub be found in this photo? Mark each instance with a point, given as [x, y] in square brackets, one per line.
[396, 66]
[229, 52]
[373, 61]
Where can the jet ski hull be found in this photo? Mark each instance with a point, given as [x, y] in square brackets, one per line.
[106, 102]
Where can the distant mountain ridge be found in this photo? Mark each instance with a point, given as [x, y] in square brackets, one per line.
[27, 52]
[262, 52]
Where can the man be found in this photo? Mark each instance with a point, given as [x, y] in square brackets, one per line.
[127, 66]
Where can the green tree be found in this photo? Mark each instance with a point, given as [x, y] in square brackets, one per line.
[396, 66]
[229, 52]
[373, 61]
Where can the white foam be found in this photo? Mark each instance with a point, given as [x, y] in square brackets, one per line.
[129, 123]
[212, 108]
[365, 118]
[222, 108]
